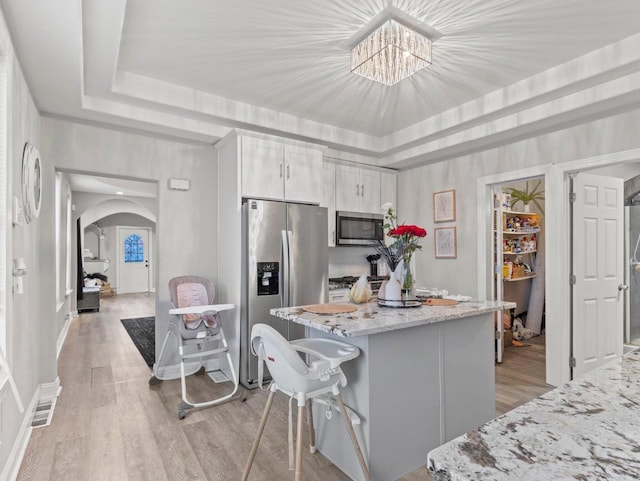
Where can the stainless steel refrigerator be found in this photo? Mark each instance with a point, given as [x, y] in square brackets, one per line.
[284, 263]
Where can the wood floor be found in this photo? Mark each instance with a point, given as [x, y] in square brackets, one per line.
[109, 424]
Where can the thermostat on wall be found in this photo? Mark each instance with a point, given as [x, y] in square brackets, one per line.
[179, 184]
[17, 216]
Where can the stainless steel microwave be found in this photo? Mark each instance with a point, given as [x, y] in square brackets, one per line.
[359, 229]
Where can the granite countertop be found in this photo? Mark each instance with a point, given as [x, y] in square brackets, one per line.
[587, 429]
[372, 319]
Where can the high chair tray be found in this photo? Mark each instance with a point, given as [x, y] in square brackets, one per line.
[201, 309]
[328, 348]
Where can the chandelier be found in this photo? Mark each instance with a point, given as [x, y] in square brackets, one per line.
[391, 53]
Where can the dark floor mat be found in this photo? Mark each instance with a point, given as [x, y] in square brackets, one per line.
[142, 331]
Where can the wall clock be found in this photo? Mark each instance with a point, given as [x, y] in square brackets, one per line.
[31, 182]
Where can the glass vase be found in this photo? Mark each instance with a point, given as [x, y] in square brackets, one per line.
[407, 277]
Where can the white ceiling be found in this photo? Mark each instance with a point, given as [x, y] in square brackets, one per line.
[194, 69]
[111, 185]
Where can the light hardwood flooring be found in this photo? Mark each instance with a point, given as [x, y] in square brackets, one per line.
[109, 424]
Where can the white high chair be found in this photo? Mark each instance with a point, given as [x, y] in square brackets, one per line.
[196, 325]
[291, 375]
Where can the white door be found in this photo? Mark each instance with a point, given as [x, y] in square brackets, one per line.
[598, 267]
[133, 259]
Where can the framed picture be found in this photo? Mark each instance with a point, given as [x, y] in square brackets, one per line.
[444, 206]
[446, 242]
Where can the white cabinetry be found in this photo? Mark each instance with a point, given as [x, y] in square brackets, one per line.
[339, 295]
[272, 170]
[262, 168]
[357, 189]
[329, 199]
[388, 188]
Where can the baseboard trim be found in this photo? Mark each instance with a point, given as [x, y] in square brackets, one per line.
[50, 390]
[19, 448]
[63, 333]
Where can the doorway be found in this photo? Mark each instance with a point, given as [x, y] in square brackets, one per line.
[558, 253]
[134, 255]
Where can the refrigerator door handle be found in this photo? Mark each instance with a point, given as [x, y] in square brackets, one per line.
[284, 272]
[291, 270]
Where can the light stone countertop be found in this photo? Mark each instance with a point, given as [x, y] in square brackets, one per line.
[587, 429]
[372, 319]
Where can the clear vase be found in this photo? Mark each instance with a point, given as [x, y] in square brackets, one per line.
[407, 277]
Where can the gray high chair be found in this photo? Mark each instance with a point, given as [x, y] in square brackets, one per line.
[196, 325]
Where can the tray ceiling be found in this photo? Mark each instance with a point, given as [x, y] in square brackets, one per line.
[194, 69]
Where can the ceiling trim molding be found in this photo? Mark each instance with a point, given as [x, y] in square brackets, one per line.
[574, 92]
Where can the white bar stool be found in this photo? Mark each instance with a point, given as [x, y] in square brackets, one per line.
[292, 376]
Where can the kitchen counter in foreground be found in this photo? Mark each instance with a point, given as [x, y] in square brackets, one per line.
[373, 319]
[587, 429]
[424, 376]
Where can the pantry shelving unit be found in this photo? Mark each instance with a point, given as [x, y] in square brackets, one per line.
[515, 238]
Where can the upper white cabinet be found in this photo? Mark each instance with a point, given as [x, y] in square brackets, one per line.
[388, 188]
[272, 170]
[262, 168]
[357, 189]
[302, 174]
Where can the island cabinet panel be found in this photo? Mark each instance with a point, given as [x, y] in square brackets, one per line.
[468, 372]
[277, 171]
[413, 389]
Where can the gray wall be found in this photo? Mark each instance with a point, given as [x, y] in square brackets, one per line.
[416, 187]
[186, 227]
[30, 317]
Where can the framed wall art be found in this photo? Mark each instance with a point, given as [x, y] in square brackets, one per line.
[446, 242]
[444, 206]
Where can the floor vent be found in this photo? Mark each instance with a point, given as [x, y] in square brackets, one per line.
[217, 376]
[43, 413]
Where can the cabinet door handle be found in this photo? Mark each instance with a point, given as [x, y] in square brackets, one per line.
[362, 190]
[281, 170]
[288, 171]
[357, 189]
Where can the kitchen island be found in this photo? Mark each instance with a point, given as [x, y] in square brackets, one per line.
[424, 376]
[586, 429]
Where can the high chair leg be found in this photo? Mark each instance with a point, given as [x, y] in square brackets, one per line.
[256, 441]
[354, 440]
[299, 443]
[312, 431]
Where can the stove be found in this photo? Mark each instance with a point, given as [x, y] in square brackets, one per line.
[347, 281]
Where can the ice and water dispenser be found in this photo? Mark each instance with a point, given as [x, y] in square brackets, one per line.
[268, 273]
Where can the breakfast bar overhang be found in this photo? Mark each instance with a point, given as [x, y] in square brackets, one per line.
[425, 375]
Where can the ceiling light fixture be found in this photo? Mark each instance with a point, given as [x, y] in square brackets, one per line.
[391, 53]
[119, 193]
